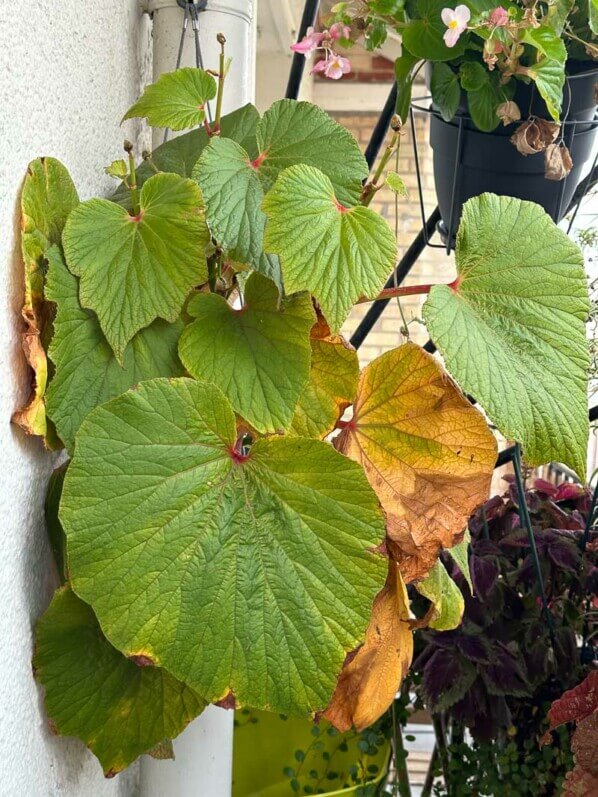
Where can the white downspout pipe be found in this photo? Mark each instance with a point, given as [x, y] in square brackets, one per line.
[234, 18]
[203, 752]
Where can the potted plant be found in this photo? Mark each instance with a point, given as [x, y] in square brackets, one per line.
[496, 675]
[513, 91]
[223, 534]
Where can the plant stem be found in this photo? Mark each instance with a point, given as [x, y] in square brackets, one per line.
[391, 293]
[372, 186]
[442, 751]
[132, 179]
[429, 781]
[401, 762]
[221, 77]
[407, 290]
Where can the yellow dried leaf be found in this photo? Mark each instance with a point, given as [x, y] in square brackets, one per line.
[370, 679]
[332, 383]
[47, 198]
[427, 452]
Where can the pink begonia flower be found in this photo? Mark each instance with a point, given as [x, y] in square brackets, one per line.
[339, 31]
[456, 23]
[334, 67]
[310, 42]
[499, 17]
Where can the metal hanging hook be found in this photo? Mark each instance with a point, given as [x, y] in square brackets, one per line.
[198, 5]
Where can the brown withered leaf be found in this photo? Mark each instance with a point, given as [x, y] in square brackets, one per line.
[508, 112]
[427, 452]
[557, 162]
[48, 196]
[370, 679]
[534, 136]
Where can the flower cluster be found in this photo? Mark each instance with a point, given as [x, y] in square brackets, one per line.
[334, 66]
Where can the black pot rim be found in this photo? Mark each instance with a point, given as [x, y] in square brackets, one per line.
[593, 70]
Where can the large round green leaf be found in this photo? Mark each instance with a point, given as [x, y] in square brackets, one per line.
[248, 577]
[336, 253]
[86, 372]
[258, 356]
[176, 100]
[512, 331]
[135, 269]
[119, 709]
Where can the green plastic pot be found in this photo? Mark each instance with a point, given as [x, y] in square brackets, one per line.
[264, 747]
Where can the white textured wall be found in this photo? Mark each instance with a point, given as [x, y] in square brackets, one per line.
[68, 71]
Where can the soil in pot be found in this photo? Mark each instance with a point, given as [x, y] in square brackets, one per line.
[489, 162]
[265, 745]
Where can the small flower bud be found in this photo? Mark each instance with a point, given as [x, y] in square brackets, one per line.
[127, 146]
[221, 39]
[396, 123]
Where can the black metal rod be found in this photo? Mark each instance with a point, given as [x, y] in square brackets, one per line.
[527, 525]
[505, 456]
[403, 268]
[381, 129]
[581, 191]
[420, 191]
[310, 10]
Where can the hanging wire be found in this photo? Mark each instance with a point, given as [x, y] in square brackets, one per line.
[191, 11]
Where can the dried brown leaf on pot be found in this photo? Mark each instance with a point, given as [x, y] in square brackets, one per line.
[427, 452]
[508, 112]
[557, 162]
[534, 136]
[370, 679]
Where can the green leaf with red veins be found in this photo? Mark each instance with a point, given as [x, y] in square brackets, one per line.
[233, 195]
[258, 356]
[249, 576]
[179, 155]
[86, 372]
[176, 100]
[117, 708]
[336, 253]
[135, 269]
[512, 329]
[293, 132]
[233, 182]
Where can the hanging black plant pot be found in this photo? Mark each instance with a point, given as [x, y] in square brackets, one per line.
[468, 162]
